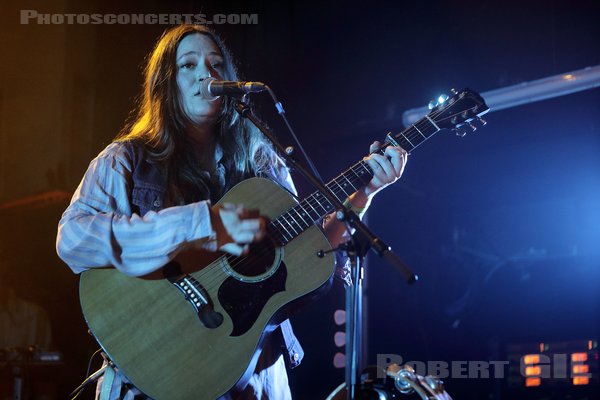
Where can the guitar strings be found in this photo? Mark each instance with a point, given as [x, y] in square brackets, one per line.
[261, 248]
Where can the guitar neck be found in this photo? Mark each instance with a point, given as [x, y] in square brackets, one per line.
[299, 218]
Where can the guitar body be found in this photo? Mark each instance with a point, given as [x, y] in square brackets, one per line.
[172, 350]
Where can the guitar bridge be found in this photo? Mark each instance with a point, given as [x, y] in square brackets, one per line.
[194, 294]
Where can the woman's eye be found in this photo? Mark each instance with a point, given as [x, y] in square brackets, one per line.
[187, 65]
[217, 65]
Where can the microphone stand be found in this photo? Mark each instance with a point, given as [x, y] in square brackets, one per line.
[362, 240]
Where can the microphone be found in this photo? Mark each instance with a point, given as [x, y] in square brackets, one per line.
[211, 89]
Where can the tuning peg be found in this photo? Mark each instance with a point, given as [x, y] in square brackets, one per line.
[453, 91]
[473, 127]
[481, 121]
[461, 131]
[432, 104]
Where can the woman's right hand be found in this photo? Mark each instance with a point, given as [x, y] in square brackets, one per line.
[237, 227]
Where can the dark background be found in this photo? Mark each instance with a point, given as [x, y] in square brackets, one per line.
[503, 225]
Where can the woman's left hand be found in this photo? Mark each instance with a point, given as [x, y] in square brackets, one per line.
[386, 168]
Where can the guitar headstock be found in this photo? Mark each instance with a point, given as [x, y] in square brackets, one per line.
[460, 112]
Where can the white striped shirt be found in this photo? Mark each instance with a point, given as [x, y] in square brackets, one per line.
[99, 229]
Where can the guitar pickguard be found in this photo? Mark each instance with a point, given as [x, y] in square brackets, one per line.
[244, 301]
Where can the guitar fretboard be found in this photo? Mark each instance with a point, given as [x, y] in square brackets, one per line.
[302, 216]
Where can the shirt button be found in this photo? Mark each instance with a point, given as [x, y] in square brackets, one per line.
[296, 356]
[156, 203]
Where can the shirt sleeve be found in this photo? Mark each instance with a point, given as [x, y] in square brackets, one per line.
[98, 229]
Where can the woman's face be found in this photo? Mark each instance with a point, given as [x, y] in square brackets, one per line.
[198, 58]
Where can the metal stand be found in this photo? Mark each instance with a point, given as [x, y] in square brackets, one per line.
[356, 249]
[362, 240]
[354, 356]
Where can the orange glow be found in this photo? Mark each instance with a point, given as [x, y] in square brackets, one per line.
[541, 347]
[590, 344]
[533, 371]
[581, 369]
[581, 380]
[568, 77]
[529, 382]
[532, 359]
[579, 357]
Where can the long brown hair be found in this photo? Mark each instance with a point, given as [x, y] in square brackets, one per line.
[160, 123]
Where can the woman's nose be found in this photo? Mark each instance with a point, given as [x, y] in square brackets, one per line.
[204, 73]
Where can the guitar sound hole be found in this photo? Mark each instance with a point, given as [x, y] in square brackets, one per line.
[259, 264]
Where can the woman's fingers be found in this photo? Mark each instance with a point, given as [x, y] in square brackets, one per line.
[386, 167]
[240, 228]
[398, 157]
[235, 249]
